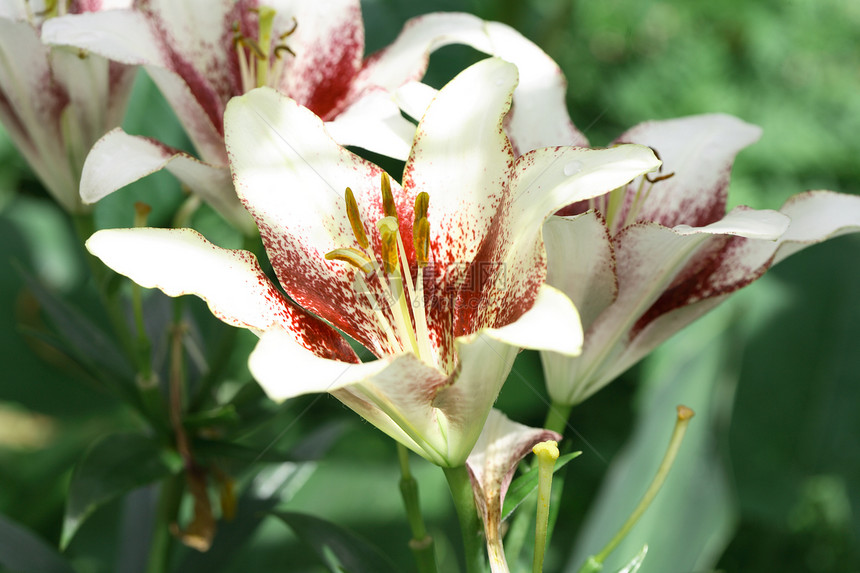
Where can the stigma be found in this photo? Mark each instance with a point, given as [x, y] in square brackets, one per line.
[262, 61]
[399, 310]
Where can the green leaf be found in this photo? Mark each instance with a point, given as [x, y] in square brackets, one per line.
[112, 467]
[81, 339]
[271, 485]
[339, 549]
[23, 552]
[527, 483]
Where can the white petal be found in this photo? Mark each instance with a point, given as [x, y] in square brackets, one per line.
[328, 41]
[581, 262]
[181, 261]
[498, 451]
[395, 394]
[374, 123]
[815, 217]
[119, 159]
[414, 98]
[540, 117]
[121, 35]
[650, 259]
[552, 323]
[762, 224]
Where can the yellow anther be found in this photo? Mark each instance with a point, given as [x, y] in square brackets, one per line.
[283, 48]
[291, 31]
[389, 250]
[253, 46]
[422, 202]
[355, 219]
[421, 240]
[387, 197]
[352, 256]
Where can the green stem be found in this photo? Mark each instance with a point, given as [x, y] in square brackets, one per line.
[421, 544]
[470, 523]
[595, 563]
[168, 504]
[557, 416]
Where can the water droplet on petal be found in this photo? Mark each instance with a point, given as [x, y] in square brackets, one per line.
[572, 168]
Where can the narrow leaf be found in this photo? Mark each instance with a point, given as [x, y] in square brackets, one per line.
[112, 467]
[336, 547]
[22, 551]
[82, 338]
[527, 483]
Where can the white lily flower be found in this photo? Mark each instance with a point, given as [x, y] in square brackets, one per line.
[203, 52]
[55, 102]
[441, 278]
[642, 262]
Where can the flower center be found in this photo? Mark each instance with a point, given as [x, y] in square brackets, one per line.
[262, 61]
[404, 323]
[616, 199]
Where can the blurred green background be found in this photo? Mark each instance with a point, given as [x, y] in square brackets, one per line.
[769, 479]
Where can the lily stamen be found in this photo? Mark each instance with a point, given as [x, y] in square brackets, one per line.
[256, 67]
[407, 326]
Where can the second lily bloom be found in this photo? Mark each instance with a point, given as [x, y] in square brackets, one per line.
[650, 257]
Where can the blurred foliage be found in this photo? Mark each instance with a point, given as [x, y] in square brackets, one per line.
[778, 363]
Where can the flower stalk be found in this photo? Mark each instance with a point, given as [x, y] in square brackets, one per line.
[470, 524]
[421, 544]
[595, 562]
[557, 416]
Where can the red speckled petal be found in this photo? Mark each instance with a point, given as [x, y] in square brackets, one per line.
[329, 46]
[462, 158]
[662, 268]
[815, 216]
[700, 151]
[291, 176]
[181, 261]
[545, 180]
